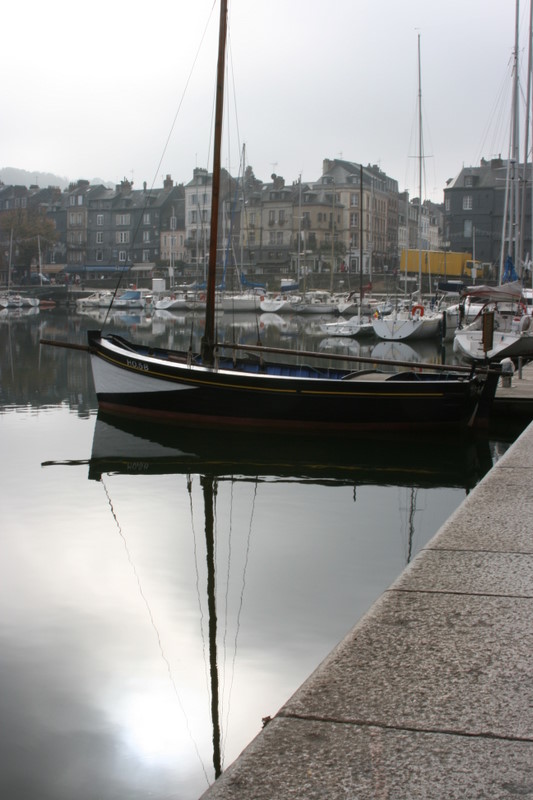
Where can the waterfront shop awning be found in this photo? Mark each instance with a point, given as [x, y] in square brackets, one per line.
[91, 269]
[52, 269]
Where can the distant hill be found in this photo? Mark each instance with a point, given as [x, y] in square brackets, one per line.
[11, 176]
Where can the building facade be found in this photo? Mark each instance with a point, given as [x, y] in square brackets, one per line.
[476, 204]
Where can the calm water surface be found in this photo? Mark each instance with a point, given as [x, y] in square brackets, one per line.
[162, 592]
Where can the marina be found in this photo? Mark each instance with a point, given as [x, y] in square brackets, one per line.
[266, 445]
[105, 606]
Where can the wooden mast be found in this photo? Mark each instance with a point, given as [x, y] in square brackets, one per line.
[208, 340]
[420, 157]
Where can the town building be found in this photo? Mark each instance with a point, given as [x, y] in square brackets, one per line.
[476, 204]
[351, 218]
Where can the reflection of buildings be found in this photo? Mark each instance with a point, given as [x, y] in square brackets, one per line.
[38, 376]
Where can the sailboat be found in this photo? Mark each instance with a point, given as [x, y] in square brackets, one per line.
[231, 385]
[10, 300]
[503, 328]
[415, 321]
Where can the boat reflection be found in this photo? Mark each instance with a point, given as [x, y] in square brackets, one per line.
[428, 351]
[129, 446]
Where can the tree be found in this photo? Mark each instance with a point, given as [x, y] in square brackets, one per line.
[27, 229]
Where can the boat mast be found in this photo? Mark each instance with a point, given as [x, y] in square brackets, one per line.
[523, 196]
[510, 221]
[208, 340]
[419, 173]
[299, 256]
[360, 239]
[515, 155]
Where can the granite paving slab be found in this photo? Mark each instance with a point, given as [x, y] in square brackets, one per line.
[469, 572]
[450, 663]
[496, 516]
[312, 760]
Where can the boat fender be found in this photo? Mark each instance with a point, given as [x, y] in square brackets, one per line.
[419, 309]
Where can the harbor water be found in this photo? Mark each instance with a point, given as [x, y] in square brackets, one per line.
[163, 591]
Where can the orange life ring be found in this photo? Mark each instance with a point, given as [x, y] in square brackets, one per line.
[417, 308]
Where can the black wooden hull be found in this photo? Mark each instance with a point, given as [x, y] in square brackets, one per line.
[166, 385]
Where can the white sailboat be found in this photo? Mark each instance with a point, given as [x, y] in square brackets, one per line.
[356, 325]
[416, 321]
[503, 328]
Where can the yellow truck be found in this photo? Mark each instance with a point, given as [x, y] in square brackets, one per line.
[439, 263]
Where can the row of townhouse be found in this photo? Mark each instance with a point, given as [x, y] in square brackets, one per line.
[351, 212]
[267, 228]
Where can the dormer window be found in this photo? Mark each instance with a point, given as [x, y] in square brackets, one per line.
[469, 181]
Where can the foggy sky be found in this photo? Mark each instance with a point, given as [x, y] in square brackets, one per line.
[98, 90]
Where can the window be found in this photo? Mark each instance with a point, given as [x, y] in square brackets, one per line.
[354, 220]
[72, 200]
[99, 237]
[173, 223]
[122, 255]
[146, 256]
[80, 199]
[252, 218]
[146, 236]
[271, 217]
[251, 238]
[279, 237]
[467, 229]
[146, 219]
[469, 180]
[99, 255]
[193, 218]
[354, 200]
[467, 202]
[99, 219]
[272, 238]
[447, 204]
[281, 216]
[123, 219]
[123, 237]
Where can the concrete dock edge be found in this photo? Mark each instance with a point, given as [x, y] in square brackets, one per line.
[430, 696]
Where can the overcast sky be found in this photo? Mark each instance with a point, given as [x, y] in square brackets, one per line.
[124, 88]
